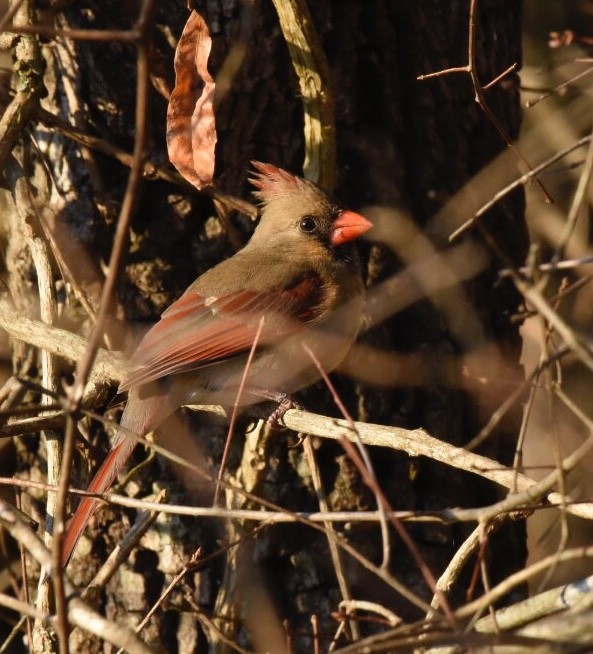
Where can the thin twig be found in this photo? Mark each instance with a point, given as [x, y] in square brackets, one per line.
[331, 533]
[24, 570]
[518, 182]
[481, 96]
[560, 87]
[125, 36]
[471, 69]
[276, 514]
[235, 413]
[580, 195]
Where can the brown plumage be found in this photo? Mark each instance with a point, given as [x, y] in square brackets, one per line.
[299, 271]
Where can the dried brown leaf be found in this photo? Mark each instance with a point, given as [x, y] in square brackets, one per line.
[191, 126]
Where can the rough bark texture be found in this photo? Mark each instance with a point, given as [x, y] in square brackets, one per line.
[401, 143]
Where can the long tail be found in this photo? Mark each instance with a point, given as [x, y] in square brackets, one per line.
[139, 417]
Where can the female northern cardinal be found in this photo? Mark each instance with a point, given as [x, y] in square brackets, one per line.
[297, 283]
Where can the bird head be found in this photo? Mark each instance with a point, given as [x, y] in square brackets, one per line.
[296, 209]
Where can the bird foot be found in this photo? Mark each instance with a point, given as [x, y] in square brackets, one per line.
[300, 440]
[285, 402]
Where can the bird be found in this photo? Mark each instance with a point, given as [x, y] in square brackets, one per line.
[295, 286]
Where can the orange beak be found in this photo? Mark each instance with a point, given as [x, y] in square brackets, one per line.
[348, 226]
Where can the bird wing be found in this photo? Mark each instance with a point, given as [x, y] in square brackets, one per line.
[198, 331]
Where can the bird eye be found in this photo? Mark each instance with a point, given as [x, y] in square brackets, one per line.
[308, 224]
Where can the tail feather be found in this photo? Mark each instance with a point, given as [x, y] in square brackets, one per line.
[100, 483]
[139, 417]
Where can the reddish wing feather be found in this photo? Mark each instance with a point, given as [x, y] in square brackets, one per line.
[197, 331]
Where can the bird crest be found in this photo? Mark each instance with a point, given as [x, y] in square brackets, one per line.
[272, 182]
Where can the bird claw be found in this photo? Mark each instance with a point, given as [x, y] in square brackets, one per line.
[301, 439]
[285, 402]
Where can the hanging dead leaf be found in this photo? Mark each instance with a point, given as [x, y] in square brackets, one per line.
[191, 126]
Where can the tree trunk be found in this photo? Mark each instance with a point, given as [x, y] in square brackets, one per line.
[405, 148]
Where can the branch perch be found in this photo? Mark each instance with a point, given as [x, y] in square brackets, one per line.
[110, 367]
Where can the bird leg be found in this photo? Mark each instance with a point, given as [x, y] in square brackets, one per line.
[283, 400]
